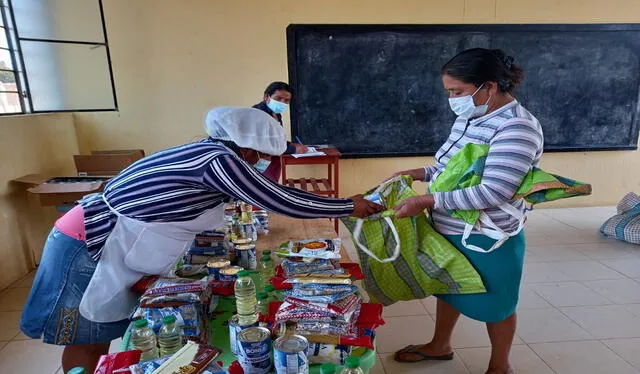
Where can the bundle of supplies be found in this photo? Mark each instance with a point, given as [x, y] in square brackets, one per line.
[320, 301]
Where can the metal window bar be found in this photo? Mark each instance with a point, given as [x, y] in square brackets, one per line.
[9, 5]
[21, 91]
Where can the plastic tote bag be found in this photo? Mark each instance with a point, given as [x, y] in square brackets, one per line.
[625, 225]
[405, 258]
[465, 169]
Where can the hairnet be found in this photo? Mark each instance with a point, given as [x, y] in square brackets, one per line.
[247, 128]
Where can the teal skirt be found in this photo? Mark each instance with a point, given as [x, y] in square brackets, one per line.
[501, 272]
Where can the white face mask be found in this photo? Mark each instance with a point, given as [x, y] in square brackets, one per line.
[465, 107]
[277, 107]
[262, 165]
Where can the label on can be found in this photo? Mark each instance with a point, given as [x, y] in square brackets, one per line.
[214, 267]
[234, 330]
[254, 350]
[229, 274]
[247, 256]
[290, 354]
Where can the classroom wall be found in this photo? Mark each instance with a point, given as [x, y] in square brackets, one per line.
[174, 60]
[30, 144]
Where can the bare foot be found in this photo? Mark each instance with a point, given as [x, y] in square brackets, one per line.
[429, 351]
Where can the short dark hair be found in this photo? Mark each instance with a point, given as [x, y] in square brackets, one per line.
[275, 86]
[480, 65]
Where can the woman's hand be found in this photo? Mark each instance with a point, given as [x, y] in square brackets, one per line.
[416, 174]
[414, 206]
[300, 148]
[364, 208]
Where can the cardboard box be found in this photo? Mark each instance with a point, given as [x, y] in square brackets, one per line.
[93, 172]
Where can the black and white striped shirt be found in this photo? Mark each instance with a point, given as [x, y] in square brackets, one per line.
[180, 183]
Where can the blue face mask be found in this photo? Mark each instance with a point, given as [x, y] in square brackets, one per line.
[262, 165]
[277, 107]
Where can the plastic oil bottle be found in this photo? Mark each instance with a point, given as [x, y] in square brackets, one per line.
[170, 336]
[144, 339]
[246, 302]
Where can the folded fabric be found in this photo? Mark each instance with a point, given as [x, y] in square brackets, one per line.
[625, 225]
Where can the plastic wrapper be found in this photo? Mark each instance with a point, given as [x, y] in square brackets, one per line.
[117, 362]
[291, 312]
[368, 320]
[321, 293]
[192, 358]
[187, 316]
[279, 281]
[319, 353]
[296, 266]
[170, 300]
[148, 367]
[188, 270]
[320, 279]
[311, 249]
[337, 308]
[168, 286]
[333, 328]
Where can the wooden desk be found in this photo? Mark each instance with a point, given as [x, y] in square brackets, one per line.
[282, 229]
[328, 186]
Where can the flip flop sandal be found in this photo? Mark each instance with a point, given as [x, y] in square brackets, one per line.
[413, 350]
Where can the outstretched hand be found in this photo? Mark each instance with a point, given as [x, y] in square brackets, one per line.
[414, 206]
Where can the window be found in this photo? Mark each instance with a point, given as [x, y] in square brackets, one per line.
[54, 57]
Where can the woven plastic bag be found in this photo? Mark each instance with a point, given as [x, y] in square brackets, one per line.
[625, 225]
[405, 258]
[465, 169]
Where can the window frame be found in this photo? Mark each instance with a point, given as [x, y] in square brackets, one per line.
[22, 85]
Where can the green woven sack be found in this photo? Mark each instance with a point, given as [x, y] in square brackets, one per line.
[405, 258]
[465, 169]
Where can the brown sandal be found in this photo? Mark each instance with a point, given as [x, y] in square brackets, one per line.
[413, 350]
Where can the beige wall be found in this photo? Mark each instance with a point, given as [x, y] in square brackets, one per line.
[29, 144]
[175, 59]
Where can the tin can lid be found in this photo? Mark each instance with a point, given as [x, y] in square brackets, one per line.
[253, 334]
[291, 343]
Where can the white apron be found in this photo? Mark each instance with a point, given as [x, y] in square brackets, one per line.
[135, 249]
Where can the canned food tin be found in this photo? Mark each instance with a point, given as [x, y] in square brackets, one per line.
[229, 274]
[234, 330]
[247, 256]
[214, 267]
[242, 241]
[254, 350]
[290, 354]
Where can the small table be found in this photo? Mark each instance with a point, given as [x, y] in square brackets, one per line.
[328, 186]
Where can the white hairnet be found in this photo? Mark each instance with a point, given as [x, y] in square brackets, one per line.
[247, 128]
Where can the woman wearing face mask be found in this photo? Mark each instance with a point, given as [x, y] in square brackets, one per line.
[145, 219]
[276, 101]
[480, 83]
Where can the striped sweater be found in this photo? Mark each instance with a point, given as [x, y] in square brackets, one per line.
[180, 183]
[515, 142]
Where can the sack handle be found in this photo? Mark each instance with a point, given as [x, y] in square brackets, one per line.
[492, 230]
[356, 237]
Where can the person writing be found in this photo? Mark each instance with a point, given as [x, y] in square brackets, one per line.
[480, 83]
[143, 221]
[276, 100]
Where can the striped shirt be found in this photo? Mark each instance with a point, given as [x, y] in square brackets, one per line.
[180, 183]
[515, 142]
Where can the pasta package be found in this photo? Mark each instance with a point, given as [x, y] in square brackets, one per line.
[311, 249]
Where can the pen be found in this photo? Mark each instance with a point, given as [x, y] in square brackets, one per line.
[298, 140]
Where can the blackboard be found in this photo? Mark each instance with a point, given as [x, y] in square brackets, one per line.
[376, 90]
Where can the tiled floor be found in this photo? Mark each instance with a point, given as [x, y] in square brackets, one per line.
[579, 310]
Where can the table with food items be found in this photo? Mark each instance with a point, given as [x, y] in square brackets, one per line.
[262, 294]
